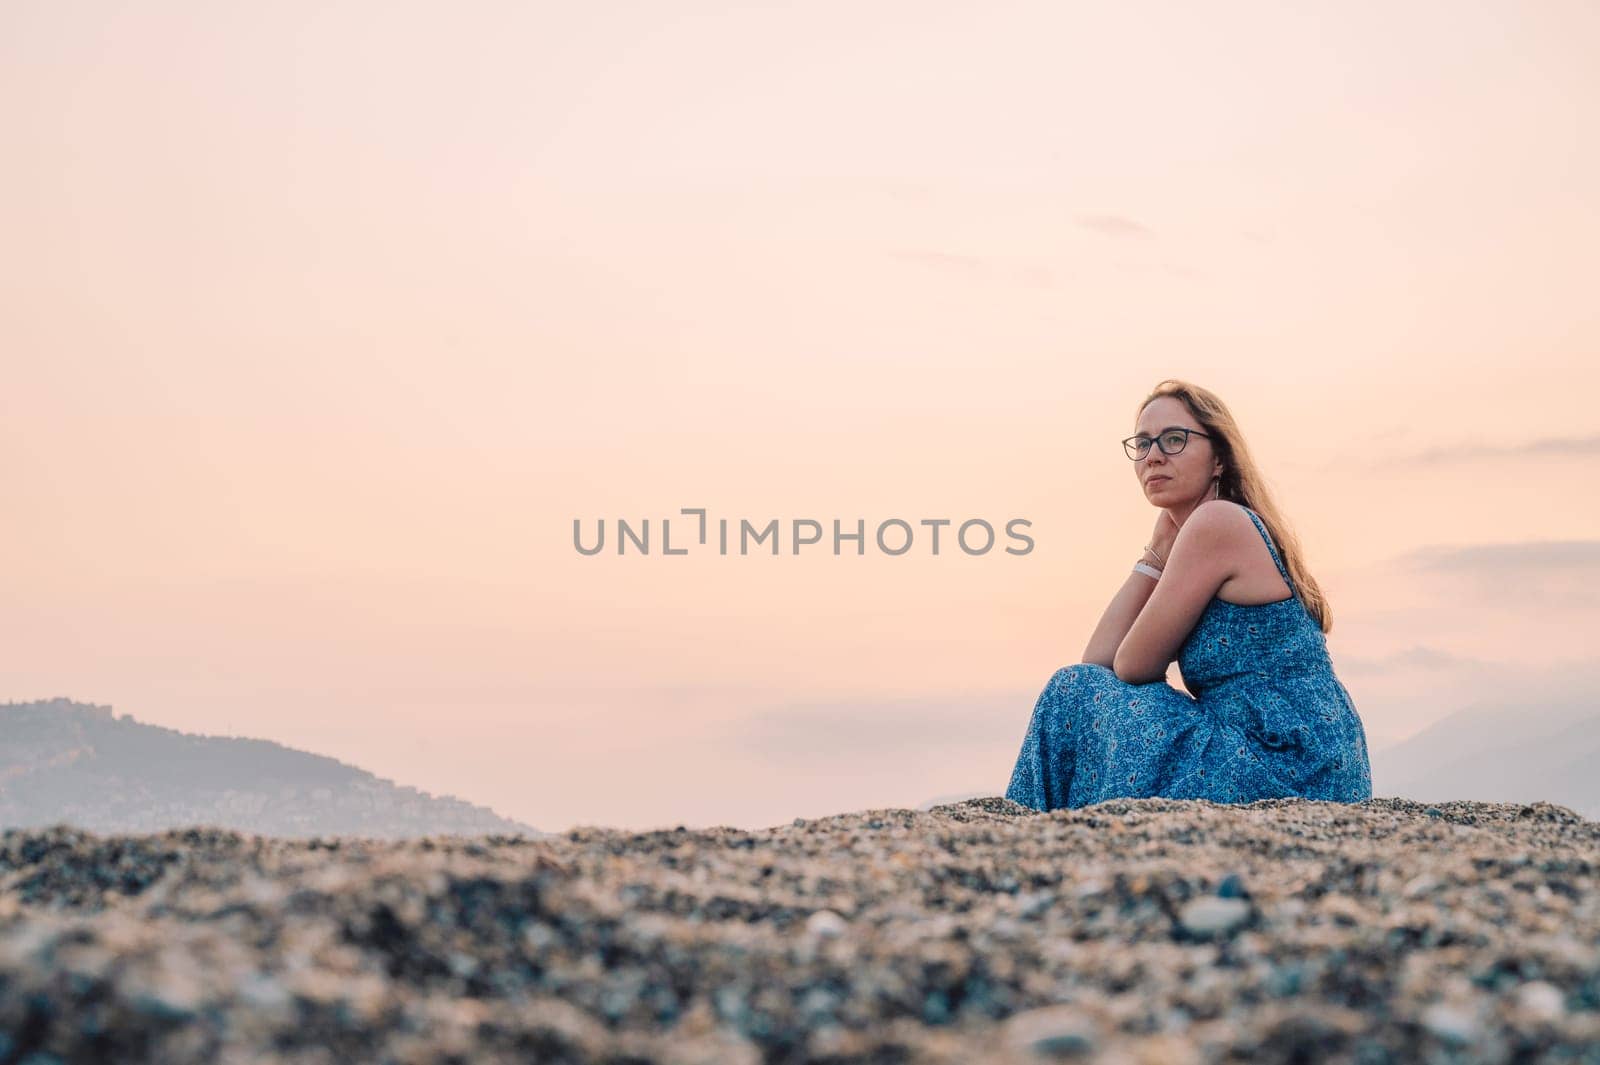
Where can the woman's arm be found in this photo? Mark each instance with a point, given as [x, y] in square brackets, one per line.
[1118, 619]
[1203, 557]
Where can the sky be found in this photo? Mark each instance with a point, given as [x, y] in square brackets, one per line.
[324, 323]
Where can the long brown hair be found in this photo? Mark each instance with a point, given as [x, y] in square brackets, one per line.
[1243, 483]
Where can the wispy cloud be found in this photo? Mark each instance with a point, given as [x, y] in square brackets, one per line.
[1175, 269]
[940, 260]
[1115, 225]
[1029, 274]
[1473, 451]
[1405, 463]
[1538, 574]
[1519, 557]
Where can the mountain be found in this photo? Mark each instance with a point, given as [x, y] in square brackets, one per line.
[77, 763]
[1501, 753]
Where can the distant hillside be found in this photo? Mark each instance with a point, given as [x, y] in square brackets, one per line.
[1501, 753]
[64, 761]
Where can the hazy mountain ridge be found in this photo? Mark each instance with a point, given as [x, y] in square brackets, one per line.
[68, 762]
[1500, 753]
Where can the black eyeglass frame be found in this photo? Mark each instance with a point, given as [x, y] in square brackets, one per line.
[1129, 444]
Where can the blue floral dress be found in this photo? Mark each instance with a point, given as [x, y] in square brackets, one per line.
[1269, 719]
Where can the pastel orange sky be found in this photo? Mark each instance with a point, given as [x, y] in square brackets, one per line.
[322, 325]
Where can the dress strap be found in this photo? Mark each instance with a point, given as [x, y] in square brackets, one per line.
[1282, 569]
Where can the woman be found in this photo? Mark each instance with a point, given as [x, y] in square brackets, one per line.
[1221, 588]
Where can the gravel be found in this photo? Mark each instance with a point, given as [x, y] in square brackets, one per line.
[1145, 930]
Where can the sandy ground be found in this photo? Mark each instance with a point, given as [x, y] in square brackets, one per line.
[1145, 930]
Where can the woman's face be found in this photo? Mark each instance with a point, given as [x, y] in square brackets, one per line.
[1174, 480]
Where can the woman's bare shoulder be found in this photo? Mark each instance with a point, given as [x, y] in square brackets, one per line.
[1227, 523]
[1223, 515]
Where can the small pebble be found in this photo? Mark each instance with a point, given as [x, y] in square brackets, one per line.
[1052, 1032]
[1420, 885]
[1212, 915]
[1541, 1001]
[825, 924]
[1452, 1024]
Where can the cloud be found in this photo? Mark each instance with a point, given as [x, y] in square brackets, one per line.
[1524, 557]
[1174, 269]
[1578, 446]
[1404, 463]
[1114, 225]
[1538, 573]
[941, 260]
[1029, 274]
[1544, 574]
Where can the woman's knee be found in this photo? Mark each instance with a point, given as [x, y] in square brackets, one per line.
[1060, 688]
[1070, 674]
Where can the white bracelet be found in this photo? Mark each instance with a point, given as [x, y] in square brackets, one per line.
[1147, 569]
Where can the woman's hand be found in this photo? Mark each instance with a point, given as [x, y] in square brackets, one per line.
[1163, 536]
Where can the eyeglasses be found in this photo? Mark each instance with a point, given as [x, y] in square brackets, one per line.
[1171, 441]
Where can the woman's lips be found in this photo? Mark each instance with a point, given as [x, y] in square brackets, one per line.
[1155, 480]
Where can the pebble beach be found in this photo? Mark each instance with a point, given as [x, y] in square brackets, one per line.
[1140, 931]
